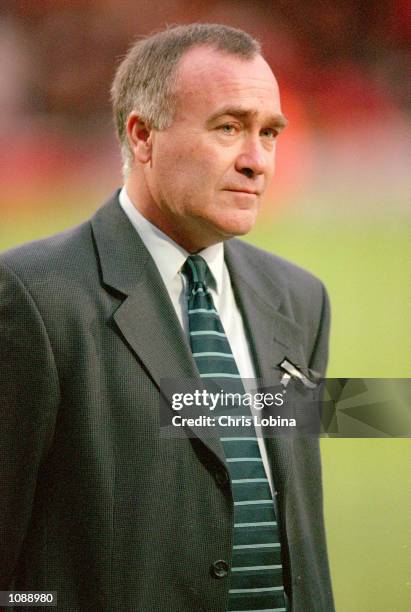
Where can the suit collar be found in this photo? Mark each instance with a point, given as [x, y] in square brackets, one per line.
[122, 255]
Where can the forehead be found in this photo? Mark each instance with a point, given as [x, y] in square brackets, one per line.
[208, 78]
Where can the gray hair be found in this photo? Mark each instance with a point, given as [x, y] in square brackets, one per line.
[145, 80]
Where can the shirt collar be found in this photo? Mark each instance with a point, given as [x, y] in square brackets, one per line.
[168, 256]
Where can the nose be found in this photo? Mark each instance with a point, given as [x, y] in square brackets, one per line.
[252, 160]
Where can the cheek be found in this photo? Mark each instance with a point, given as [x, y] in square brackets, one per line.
[179, 182]
[195, 170]
[188, 171]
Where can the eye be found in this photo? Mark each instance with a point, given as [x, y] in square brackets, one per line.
[228, 128]
[270, 133]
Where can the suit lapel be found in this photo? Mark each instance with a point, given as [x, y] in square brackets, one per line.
[146, 318]
[272, 336]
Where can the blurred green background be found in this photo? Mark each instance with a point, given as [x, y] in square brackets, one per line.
[340, 205]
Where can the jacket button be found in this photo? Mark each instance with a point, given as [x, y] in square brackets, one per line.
[219, 569]
[221, 477]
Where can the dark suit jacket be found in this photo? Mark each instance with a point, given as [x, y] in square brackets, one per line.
[94, 503]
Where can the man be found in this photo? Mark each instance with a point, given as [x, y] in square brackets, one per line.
[97, 505]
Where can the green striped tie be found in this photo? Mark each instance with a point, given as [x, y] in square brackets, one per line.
[256, 579]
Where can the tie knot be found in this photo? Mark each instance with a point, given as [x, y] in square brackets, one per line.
[195, 269]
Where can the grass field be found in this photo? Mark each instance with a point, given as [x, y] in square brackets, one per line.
[365, 264]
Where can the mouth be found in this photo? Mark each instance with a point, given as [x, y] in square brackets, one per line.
[248, 192]
[243, 199]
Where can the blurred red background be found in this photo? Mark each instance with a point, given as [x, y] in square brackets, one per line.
[342, 68]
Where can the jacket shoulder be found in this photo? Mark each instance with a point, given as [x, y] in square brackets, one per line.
[54, 256]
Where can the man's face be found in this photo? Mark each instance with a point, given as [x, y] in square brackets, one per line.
[208, 171]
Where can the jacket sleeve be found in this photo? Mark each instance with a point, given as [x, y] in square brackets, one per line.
[29, 396]
[319, 355]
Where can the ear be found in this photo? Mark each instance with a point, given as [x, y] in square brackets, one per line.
[139, 137]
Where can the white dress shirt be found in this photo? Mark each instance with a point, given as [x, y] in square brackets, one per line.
[169, 258]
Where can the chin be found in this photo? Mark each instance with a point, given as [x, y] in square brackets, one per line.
[227, 232]
[240, 224]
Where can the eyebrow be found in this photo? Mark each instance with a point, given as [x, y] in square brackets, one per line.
[278, 119]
